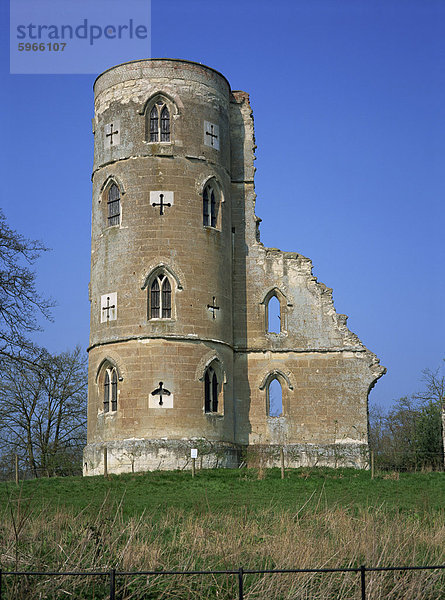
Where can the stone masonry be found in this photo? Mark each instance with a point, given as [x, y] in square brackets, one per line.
[180, 353]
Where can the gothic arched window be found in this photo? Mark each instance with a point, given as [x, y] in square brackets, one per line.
[275, 312]
[210, 391]
[160, 298]
[274, 398]
[159, 122]
[209, 207]
[110, 389]
[114, 205]
[273, 315]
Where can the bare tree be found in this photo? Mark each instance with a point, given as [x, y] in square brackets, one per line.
[19, 301]
[43, 417]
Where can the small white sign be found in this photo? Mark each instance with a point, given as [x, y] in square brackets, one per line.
[211, 135]
[194, 453]
[112, 135]
[108, 307]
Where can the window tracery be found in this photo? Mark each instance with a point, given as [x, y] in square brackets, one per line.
[159, 122]
[160, 298]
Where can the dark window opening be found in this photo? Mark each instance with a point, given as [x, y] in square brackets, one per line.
[107, 392]
[209, 207]
[205, 208]
[113, 205]
[114, 390]
[155, 299]
[210, 391]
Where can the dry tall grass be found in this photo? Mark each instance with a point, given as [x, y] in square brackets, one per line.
[314, 537]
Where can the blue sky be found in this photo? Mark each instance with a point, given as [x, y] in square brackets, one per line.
[349, 107]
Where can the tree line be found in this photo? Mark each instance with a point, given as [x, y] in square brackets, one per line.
[409, 435]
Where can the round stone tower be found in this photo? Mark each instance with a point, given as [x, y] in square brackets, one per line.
[161, 348]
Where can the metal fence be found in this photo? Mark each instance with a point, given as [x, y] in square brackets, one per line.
[240, 574]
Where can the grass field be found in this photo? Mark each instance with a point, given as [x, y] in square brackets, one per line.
[223, 519]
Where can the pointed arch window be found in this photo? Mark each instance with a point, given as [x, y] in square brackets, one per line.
[110, 389]
[160, 298]
[159, 122]
[114, 205]
[274, 398]
[275, 312]
[209, 207]
[210, 391]
[274, 315]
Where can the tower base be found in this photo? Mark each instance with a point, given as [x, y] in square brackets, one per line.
[136, 455]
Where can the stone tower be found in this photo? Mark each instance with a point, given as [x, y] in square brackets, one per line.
[182, 354]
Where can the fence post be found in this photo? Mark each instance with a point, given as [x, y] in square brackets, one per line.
[0, 584]
[193, 466]
[105, 462]
[363, 581]
[240, 583]
[282, 461]
[112, 584]
[372, 464]
[16, 469]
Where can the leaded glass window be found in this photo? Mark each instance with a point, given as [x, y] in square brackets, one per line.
[166, 299]
[165, 125]
[205, 208]
[209, 207]
[113, 203]
[107, 391]
[159, 122]
[160, 298]
[155, 300]
[114, 390]
[110, 389]
[154, 124]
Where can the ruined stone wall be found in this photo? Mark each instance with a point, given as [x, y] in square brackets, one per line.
[324, 370]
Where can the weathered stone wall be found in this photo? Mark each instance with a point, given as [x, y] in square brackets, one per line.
[324, 370]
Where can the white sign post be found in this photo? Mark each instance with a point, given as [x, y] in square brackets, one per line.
[194, 455]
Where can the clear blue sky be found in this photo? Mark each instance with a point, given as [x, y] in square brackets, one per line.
[349, 106]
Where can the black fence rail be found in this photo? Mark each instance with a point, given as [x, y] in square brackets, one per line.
[240, 574]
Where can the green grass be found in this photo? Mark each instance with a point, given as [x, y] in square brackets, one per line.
[238, 490]
[222, 519]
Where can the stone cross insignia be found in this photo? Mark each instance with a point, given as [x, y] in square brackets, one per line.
[161, 204]
[161, 392]
[211, 135]
[162, 199]
[108, 306]
[112, 134]
[213, 307]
